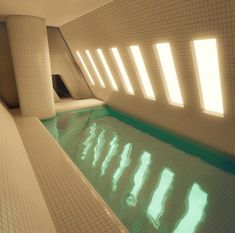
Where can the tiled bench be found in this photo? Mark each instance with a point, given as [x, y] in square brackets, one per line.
[22, 206]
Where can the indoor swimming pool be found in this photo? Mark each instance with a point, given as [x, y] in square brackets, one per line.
[152, 185]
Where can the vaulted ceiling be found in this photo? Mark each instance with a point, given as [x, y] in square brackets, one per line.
[56, 12]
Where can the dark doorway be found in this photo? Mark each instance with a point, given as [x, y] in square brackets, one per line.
[59, 86]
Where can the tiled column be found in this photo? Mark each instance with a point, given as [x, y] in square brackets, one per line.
[30, 54]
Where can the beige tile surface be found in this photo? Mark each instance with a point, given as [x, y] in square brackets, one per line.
[31, 61]
[123, 23]
[71, 104]
[22, 206]
[73, 204]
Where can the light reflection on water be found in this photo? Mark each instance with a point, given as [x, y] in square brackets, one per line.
[124, 163]
[196, 203]
[140, 175]
[157, 204]
[112, 151]
[88, 142]
[149, 184]
[98, 147]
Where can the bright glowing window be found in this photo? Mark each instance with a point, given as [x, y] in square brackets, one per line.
[209, 75]
[107, 69]
[142, 72]
[85, 68]
[127, 84]
[95, 69]
[170, 79]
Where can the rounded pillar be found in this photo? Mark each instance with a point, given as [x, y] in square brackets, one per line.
[30, 55]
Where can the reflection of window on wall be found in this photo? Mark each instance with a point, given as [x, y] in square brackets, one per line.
[60, 87]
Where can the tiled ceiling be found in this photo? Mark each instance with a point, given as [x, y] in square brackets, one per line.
[56, 12]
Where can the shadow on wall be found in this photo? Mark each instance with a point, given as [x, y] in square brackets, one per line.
[63, 63]
[8, 91]
[60, 87]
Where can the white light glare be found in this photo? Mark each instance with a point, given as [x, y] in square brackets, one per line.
[125, 78]
[142, 72]
[85, 68]
[107, 69]
[95, 69]
[209, 76]
[170, 79]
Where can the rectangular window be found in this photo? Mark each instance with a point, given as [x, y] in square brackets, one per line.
[142, 72]
[209, 76]
[127, 84]
[95, 69]
[107, 69]
[170, 79]
[91, 81]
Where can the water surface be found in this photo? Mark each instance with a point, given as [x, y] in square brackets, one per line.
[150, 185]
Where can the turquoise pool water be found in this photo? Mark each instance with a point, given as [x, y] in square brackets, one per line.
[151, 185]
